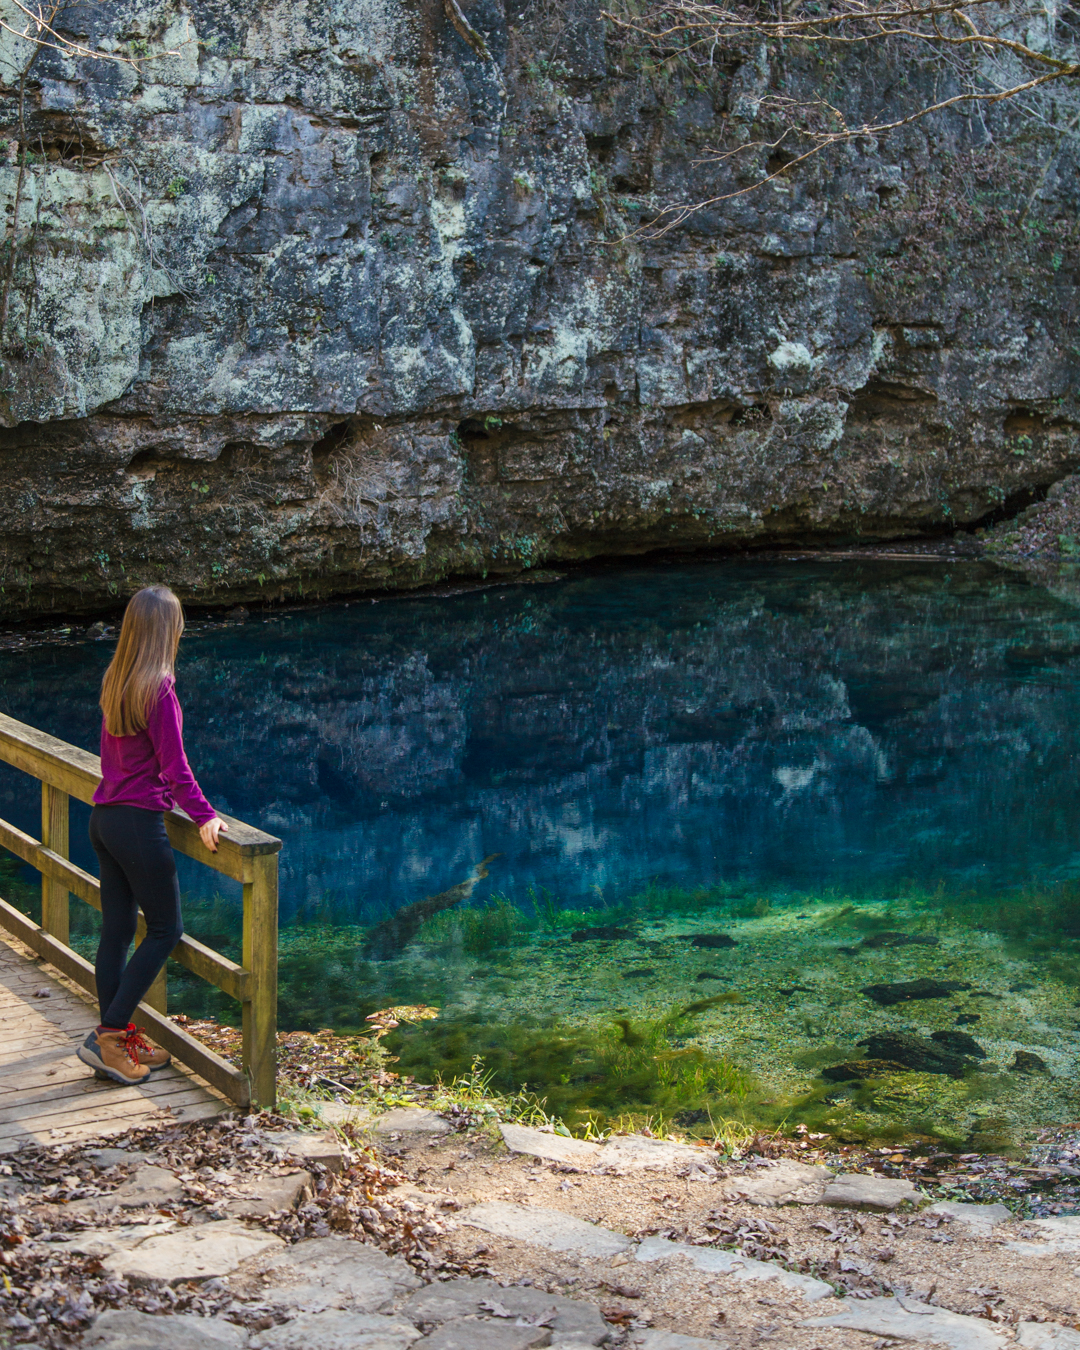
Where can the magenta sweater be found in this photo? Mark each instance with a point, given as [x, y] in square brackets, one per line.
[150, 769]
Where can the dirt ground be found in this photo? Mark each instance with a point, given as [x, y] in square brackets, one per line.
[925, 1256]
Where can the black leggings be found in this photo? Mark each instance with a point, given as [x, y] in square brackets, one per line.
[138, 871]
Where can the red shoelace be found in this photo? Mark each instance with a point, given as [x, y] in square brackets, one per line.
[134, 1041]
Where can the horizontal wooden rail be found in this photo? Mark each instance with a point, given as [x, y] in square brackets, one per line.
[78, 772]
[244, 853]
[202, 961]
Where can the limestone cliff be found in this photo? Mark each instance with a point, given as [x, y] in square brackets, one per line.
[316, 296]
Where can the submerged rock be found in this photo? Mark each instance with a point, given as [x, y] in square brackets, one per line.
[855, 1070]
[710, 940]
[915, 1053]
[900, 940]
[991, 1134]
[605, 933]
[904, 990]
[1026, 1061]
[960, 1043]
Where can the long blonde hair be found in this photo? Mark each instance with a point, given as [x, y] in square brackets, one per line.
[145, 656]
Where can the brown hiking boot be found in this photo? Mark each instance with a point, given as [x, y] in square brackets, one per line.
[151, 1055]
[110, 1056]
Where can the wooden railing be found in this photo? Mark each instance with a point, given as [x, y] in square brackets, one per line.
[245, 854]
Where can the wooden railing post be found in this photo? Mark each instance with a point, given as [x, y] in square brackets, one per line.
[157, 996]
[54, 836]
[261, 958]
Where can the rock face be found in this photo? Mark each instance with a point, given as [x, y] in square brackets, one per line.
[312, 298]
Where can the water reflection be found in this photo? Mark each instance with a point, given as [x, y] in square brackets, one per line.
[804, 724]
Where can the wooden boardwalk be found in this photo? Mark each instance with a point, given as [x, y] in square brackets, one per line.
[47, 1096]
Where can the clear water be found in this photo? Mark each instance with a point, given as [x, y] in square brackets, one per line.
[795, 736]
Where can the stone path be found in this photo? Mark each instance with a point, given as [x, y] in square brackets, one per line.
[46, 1095]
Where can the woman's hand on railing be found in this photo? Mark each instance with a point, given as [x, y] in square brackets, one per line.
[208, 833]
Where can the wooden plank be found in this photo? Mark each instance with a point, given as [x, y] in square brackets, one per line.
[63, 1019]
[217, 1071]
[235, 849]
[42, 1098]
[210, 965]
[105, 1099]
[20, 1049]
[86, 1109]
[201, 960]
[54, 836]
[261, 958]
[125, 1116]
[65, 1069]
[104, 1129]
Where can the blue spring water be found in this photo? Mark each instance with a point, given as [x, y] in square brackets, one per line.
[787, 724]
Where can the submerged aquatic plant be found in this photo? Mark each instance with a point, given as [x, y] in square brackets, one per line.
[588, 1076]
[475, 931]
[546, 907]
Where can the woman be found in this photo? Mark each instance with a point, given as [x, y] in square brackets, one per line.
[144, 772]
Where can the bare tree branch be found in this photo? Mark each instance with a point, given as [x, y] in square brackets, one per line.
[44, 35]
[993, 50]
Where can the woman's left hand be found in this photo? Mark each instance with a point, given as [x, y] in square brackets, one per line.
[208, 833]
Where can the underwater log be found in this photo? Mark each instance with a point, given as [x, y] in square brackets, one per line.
[393, 934]
[899, 940]
[606, 933]
[717, 1001]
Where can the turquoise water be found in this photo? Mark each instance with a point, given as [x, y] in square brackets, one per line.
[738, 742]
[795, 723]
